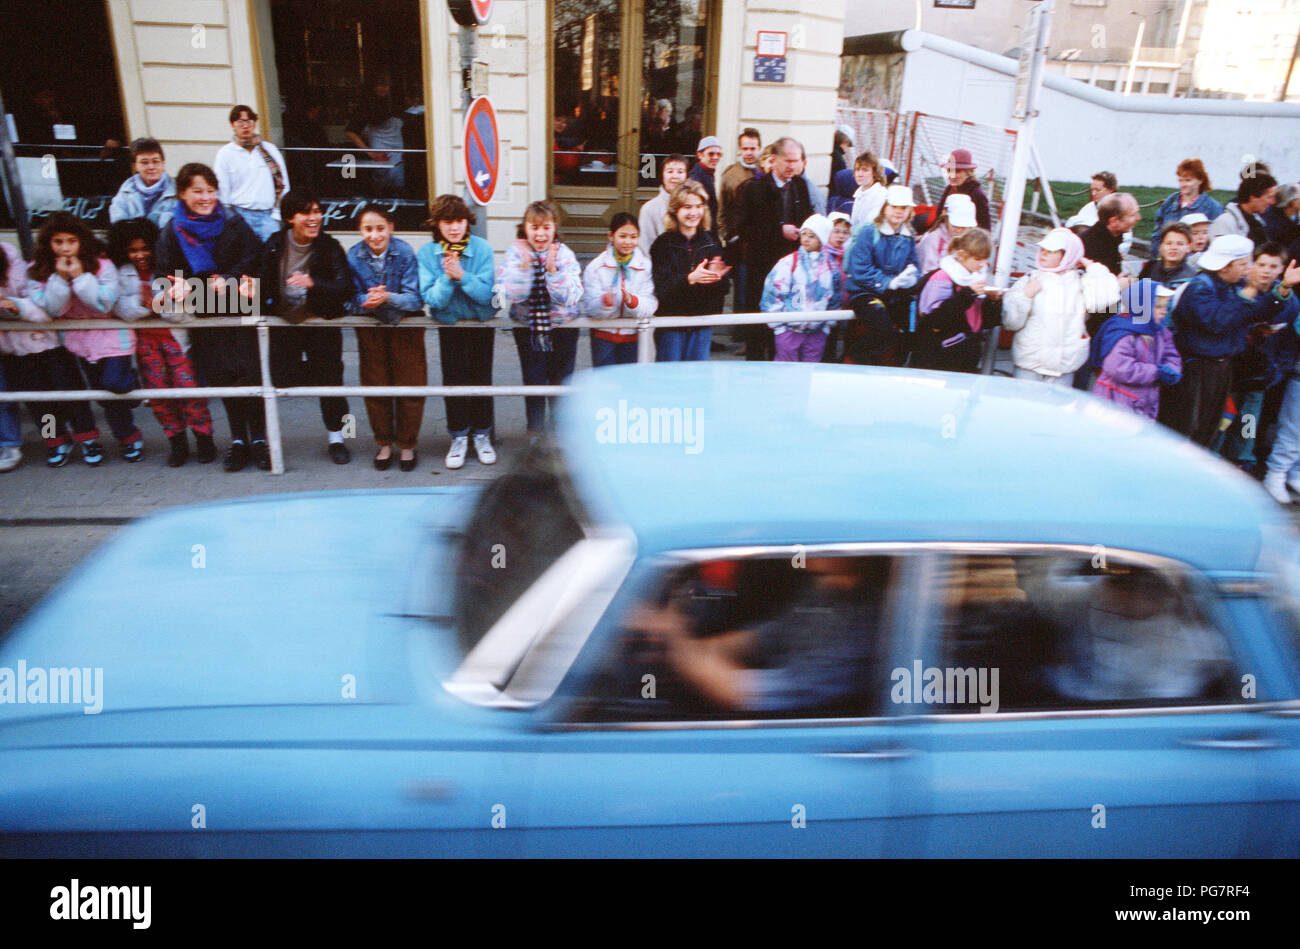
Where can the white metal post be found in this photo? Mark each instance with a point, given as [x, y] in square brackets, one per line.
[269, 399]
[1036, 49]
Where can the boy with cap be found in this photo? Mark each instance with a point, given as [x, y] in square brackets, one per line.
[1212, 318]
[709, 156]
[805, 280]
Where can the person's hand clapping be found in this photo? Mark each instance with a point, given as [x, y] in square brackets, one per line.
[375, 296]
[247, 287]
[451, 266]
[702, 274]
[1292, 275]
[629, 300]
[300, 280]
[552, 255]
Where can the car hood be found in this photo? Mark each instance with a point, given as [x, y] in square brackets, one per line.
[283, 600]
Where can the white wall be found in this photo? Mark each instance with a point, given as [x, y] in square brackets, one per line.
[1082, 130]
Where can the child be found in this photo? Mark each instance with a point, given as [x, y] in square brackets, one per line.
[456, 270]
[881, 267]
[870, 196]
[1170, 267]
[837, 250]
[1048, 309]
[70, 279]
[958, 217]
[618, 283]
[1200, 226]
[150, 192]
[160, 353]
[1136, 351]
[805, 280]
[689, 275]
[386, 281]
[950, 311]
[542, 284]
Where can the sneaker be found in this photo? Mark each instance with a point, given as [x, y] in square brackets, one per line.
[58, 455]
[1275, 485]
[483, 448]
[262, 455]
[91, 453]
[236, 457]
[133, 451]
[456, 453]
[207, 449]
[9, 458]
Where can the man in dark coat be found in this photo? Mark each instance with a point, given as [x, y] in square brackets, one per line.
[772, 209]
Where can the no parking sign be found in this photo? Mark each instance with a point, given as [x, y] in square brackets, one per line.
[481, 146]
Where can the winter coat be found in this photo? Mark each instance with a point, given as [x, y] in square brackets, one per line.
[798, 282]
[470, 297]
[1051, 335]
[23, 342]
[88, 297]
[932, 247]
[971, 188]
[398, 274]
[129, 202]
[1212, 317]
[867, 203]
[515, 278]
[950, 317]
[672, 258]
[130, 307]
[331, 275]
[1129, 373]
[843, 187]
[878, 255]
[1169, 212]
[651, 220]
[1173, 279]
[1234, 220]
[603, 275]
[224, 355]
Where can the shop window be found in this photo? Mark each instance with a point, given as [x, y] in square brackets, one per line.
[64, 109]
[351, 80]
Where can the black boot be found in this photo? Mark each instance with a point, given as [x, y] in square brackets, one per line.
[180, 450]
[207, 449]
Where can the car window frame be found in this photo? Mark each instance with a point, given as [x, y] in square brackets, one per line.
[1203, 588]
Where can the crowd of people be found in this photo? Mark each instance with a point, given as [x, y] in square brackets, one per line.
[1203, 339]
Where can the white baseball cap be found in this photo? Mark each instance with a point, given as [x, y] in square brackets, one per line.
[1195, 218]
[1224, 249]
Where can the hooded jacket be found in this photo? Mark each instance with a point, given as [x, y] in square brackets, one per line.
[800, 281]
[879, 253]
[1051, 335]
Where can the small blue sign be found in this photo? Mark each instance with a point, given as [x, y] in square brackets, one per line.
[769, 69]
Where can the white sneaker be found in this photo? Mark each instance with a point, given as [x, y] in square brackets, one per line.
[456, 453]
[1275, 485]
[10, 457]
[483, 448]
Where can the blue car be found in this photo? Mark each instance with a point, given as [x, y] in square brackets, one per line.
[732, 609]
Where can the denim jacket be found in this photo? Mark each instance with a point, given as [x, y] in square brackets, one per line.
[399, 276]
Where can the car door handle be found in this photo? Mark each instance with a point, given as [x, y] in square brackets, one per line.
[430, 791]
[1245, 743]
[883, 754]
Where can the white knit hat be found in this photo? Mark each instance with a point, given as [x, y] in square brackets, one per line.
[819, 225]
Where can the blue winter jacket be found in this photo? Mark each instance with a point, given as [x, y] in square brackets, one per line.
[1212, 317]
[470, 297]
[875, 259]
[399, 276]
[1169, 213]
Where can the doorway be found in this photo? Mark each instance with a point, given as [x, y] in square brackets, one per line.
[630, 85]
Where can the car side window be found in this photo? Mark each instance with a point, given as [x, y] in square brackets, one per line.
[749, 638]
[1056, 632]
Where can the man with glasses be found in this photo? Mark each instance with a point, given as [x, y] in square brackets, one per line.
[251, 174]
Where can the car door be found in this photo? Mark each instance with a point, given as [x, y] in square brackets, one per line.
[629, 765]
[1115, 726]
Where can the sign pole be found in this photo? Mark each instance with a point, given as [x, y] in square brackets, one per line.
[12, 186]
[1033, 58]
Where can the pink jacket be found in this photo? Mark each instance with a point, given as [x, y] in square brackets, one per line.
[15, 288]
[88, 297]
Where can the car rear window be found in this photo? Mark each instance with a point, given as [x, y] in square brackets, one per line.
[523, 523]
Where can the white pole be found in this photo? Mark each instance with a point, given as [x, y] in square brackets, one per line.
[1133, 63]
[1015, 193]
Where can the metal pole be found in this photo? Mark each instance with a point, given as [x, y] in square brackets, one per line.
[468, 53]
[1015, 193]
[269, 399]
[1044, 185]
[1132, 65]
[13, 188]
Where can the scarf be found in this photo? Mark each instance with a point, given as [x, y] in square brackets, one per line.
[539, 307]
[277, 179]
[149, 194]
[1138, 300]
[457, 248]
[1073, 251]
[964, 278]
[198, 237]
[623, 262]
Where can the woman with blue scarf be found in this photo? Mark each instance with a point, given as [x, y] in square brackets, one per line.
[214, 251]
[1135, 351]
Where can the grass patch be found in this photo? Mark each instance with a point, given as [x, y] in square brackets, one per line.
[1068, 204]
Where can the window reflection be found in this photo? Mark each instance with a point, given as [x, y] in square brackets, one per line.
[588, 43]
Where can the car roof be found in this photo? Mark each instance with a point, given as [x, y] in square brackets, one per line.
[786, 453]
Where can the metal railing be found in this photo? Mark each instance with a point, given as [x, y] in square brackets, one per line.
[271, 394]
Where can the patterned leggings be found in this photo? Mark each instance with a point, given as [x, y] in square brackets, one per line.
[164, 365]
